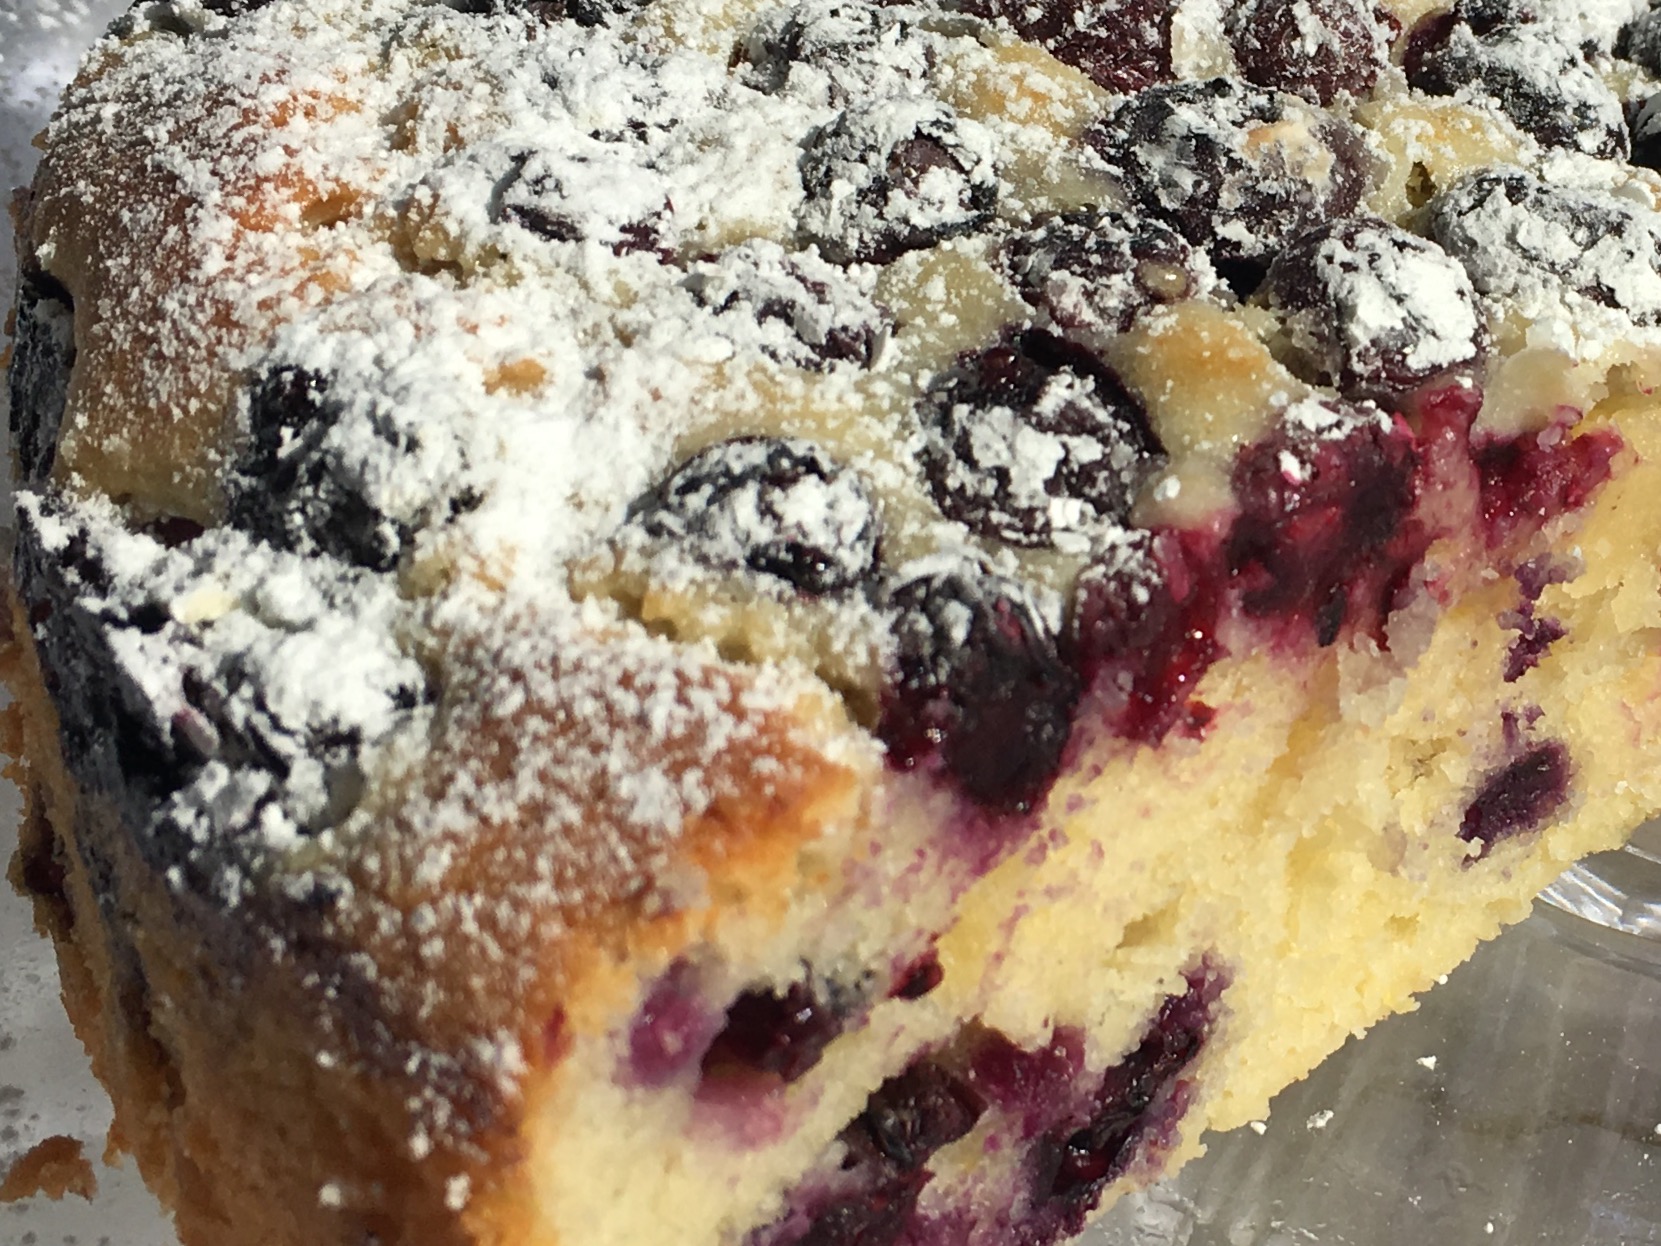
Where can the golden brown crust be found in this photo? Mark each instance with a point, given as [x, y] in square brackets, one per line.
[211, 1064]
[219, 1066]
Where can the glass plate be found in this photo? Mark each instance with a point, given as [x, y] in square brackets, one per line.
[1621, 890]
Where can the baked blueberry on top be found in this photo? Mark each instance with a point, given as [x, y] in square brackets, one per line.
[1373, 310]
[777, 508]
[1035, 441]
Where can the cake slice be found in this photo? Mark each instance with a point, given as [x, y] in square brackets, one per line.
[809, 625]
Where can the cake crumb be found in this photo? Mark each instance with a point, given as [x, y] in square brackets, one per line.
[1428, 1062]
[1320, 1120]
[1259, 1127]
[53, 1167]
[330, 1195]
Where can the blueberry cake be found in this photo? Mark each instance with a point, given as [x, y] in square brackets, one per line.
[810, 622]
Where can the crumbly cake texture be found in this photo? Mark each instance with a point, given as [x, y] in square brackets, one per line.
[820, 624]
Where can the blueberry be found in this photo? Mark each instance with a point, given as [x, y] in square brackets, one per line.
[1238, 170]
[776, 507]
[1484, 17]
[1518, 797]
[919, 978]
[894, 176]
[834, 51]
[781, 1034]
[581, 12]
[1534, 75]
[115, 736]
[795, 308]
[1314, 48]
[672, 1028]
[1027, 1083]
[568, 198]
[1646, 133]
[1372, 309]
[1640, 40]
[1097, 269]
[872, 1199]
[147, 701]
[184, 20]
[875, 1217]
[1033, 440]
[173, 531]
[352, 481]
[1122, 45]
[979, 687]
[1073, 1165]
[43, 357]
[1525, 481]
[1144, 629]
[911, 1116]
[291, 487]
[1513, 232]
[1322, 501]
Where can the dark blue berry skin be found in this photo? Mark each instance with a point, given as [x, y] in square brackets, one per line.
[885, 1151]
[112, 740]
[166, 18]
[1123, 47]
[990, 701]
[582, 12]
[1136, 1101]
[1552, 230]
[1332, 285]
[911, 1116]
[1038, 385]
[43, 356]
[132, 746]
[1645, 127]
[1518, 797]
[1097, 268]
[292, 489]
[535, 198]
[740, 504]
[823, 318]
[871, 175]
[1195, 155]
[1317, 546]
[842, 52]
[1273, 47]
[782, 1035]
[121, 756]
[1543, 83]
[1640, 40]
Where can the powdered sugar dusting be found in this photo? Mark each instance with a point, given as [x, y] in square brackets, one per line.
[1371, 278]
